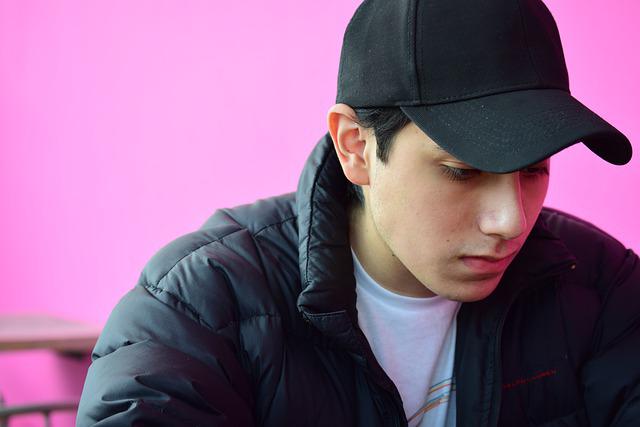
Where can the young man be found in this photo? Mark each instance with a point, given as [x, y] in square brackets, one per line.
[414, 277]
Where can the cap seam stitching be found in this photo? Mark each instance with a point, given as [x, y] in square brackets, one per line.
[413, 28]
[340, 66]
[478, 94]
[526, 39]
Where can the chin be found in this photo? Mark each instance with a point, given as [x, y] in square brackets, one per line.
[472, 291]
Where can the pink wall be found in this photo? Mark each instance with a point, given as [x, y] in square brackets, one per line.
[125, 124]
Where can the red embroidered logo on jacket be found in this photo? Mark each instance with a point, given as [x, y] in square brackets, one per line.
[521, 381]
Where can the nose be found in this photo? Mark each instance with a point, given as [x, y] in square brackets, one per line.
[504, 214]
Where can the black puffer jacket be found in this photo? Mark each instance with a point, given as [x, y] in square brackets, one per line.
[251, 321]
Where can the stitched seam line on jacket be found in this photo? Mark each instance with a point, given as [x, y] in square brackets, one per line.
[192, 311]
[275, 224]
[219, 239]
[323, 164]
[155, 288]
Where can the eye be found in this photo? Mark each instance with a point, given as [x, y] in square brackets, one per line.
[458, 174]
[464, 174]
[535, 170]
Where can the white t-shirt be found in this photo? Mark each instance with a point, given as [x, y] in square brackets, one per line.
[413, 339]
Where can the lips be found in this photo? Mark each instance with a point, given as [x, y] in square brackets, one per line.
[487, 264]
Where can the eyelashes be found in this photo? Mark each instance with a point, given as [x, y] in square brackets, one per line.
[460, 174]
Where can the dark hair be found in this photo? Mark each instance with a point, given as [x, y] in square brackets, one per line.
[385, 122]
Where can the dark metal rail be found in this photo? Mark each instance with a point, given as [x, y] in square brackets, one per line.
[45, 409]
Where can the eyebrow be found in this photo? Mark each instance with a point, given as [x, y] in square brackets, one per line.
[441, 149]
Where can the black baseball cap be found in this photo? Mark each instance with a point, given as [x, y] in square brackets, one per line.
[486, 80]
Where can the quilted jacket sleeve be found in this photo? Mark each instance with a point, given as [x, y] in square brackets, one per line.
[612, 376]
[160, 362]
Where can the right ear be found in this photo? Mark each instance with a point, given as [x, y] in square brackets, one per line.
[350, 143]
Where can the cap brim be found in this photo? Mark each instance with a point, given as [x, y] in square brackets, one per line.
[505, 132]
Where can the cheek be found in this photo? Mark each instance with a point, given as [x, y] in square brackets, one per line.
[419, 222]
[535, 195]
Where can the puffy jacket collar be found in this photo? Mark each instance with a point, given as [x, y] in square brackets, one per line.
[325, 259]
[328, 287]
